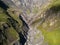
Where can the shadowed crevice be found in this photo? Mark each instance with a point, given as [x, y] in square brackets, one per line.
[2, 5]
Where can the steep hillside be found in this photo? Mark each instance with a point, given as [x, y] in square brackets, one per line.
[30, 22]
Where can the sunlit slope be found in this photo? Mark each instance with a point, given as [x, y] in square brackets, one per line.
[50, 27]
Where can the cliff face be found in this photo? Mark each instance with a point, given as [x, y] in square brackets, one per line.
[30, 22]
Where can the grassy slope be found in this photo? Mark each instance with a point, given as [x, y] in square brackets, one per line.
[52, 37]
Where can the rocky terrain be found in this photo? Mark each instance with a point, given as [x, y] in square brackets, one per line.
[30, 22]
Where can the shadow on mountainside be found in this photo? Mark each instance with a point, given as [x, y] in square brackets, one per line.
[51, 13]
[2, 5]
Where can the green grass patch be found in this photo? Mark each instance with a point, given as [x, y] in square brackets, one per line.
[52, 37]
[3, 15]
